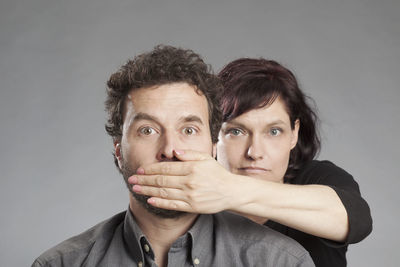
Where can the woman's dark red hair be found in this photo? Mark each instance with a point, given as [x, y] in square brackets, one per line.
[254, 83]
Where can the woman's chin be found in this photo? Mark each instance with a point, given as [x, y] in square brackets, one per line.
[261, 175]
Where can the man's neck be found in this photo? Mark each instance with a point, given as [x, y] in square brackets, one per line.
[160, 232]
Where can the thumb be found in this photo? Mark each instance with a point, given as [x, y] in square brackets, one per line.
[191, 155]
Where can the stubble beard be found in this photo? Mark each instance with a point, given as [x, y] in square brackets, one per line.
[127, 171]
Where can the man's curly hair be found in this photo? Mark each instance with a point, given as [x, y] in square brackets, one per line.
[163, 65]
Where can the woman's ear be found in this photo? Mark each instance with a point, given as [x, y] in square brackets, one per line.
[295, 134]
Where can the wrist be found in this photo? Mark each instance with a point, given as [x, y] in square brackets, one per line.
[242, 194]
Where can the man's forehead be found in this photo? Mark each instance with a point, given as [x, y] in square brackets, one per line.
[186, 118]
[166, 86]
[180, 101]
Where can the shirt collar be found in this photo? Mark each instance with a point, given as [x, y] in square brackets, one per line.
[200, 236]
[132, 237]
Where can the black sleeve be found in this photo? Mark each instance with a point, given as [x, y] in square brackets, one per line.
[358, 212]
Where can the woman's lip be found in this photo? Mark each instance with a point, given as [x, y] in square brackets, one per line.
[253, 169]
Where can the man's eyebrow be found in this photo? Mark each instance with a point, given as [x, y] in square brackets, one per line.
[191, 118]
[143, 116]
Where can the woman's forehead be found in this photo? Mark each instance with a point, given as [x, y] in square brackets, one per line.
[273, 113]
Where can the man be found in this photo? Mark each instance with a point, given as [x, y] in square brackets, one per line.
[160, 103]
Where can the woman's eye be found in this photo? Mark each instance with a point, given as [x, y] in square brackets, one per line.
[189, 131]
[235, 132]
[147, 131]
[275, 132]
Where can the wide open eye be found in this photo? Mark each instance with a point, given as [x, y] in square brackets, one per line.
[147, 130]
[189, 131]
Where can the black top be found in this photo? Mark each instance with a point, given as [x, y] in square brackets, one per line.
[221, 239]
[326, 252]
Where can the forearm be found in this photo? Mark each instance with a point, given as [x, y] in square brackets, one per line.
[313, 209]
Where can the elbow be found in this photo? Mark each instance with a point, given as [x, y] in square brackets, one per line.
[364, 224]
[360, 223]
[358, 217]
[342, 226]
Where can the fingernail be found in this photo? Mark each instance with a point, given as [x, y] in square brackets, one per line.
[140, 171]
[133, 180]
[179, 152]
[151, 201]
[136, 188]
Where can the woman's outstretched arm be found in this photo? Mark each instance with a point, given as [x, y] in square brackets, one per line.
[199, 184]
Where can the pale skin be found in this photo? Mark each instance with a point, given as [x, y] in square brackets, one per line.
[255, 144]
[156, 122]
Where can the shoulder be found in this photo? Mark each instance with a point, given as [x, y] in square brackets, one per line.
[250, 236]
[81, 245]
[322, 172]
[325, 167]
[347, 189]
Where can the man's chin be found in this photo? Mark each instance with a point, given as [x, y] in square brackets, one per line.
[127, 171]
[162, 213]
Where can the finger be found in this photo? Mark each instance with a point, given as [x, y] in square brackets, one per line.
[166, 168]
[165, 193]
[170, 204]
[191, 155]
[158, 181]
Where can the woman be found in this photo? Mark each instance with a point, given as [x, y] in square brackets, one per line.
[268, 133]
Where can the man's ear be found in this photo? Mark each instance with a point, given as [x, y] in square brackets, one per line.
[214, 150]
[295, 134]
[117, 153]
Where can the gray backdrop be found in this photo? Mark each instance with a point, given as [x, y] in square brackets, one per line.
[57, 172]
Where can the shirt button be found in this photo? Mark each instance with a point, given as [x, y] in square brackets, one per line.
[196, 261]
[140, 264]
[146, 247]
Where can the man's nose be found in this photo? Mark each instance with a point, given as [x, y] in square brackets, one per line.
[167, 145]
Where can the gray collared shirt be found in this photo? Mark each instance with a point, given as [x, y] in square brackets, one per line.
[222, 239]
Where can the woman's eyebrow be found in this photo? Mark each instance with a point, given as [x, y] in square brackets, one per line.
[236, 124]
[268, 123]
[275, 122]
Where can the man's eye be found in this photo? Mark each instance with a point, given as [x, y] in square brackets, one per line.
[189, 131]
[275, 131]
[147, 131]
[235, 132]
